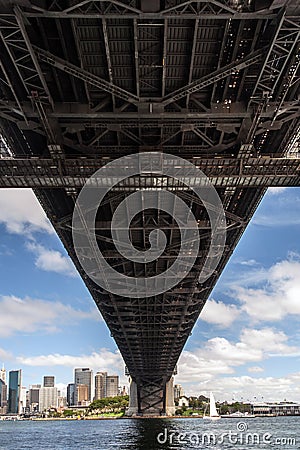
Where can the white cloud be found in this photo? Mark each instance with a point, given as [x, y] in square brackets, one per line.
[279, 295]
[255, 369]
[104, 360]
[276, 190]
[19, 316]
[212, 367]
[21, 212]
[219, 313]
[52, 260]
[249, 262]
[218, 356]
[249, 388]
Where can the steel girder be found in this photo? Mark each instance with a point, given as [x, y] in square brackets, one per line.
[73, 173]
[210, 9]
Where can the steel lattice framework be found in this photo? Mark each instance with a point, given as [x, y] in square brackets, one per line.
[213, 81]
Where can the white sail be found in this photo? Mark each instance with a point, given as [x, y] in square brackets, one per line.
[212, 406]
[213, 413]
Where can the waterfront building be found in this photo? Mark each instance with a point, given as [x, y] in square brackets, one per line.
[48, 398]
[14, 391]
[83, 376]
[49, 381]
[112, 386]
[178, 391]
[34, 397]
[71, 394]
[106, 385]
[100, 385]
[3, 393]
[23, 399]
[276, 409]
[82, 395]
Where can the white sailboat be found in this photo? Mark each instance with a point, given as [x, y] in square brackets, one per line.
[213, 413]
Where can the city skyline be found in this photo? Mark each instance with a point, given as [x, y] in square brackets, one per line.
[246, 339]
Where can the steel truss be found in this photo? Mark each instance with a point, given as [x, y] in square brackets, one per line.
[210, 9]
[73, 173]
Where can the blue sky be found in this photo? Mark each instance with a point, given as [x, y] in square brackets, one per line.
[246, 343]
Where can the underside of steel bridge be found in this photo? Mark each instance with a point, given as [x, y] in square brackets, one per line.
[215, 82]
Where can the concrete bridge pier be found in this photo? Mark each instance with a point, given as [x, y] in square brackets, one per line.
[151, 399]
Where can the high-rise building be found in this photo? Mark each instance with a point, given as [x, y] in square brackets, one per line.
[112, 385]
[71, 394]
[3, 397]
[3, 374]
[34, 397]
[49, 381]
[48, 398]
[2, 392]
[82, 395]
[100, 385]
[83, 376]
[14, 391]
[106, 385]
[23, 399]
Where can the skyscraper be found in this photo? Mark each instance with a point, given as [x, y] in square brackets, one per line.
[82, 394]
[112, 385]
[34, 397]
[3, 392]
[49, 381]
[14, 391]
[71, 394]
[83, 376]
[48, 398]
[100, 385]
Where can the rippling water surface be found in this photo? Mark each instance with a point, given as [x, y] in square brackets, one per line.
[151, 434]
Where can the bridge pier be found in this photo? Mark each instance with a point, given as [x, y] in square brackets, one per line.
[151, 399]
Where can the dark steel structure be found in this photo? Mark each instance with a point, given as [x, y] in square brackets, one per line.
[213, 81]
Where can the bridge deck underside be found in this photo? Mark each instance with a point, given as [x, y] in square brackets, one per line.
[86, 82]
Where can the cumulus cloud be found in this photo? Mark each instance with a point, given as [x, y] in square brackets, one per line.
[219, 356]
[218, 313]
[21, 212]
[31, 315]
[249, 388]
[103, 360]
[52, 260]
[279, 295]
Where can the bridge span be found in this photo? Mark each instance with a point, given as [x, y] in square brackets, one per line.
[216, 83]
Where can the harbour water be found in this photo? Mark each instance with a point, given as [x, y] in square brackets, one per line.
[151, 434]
